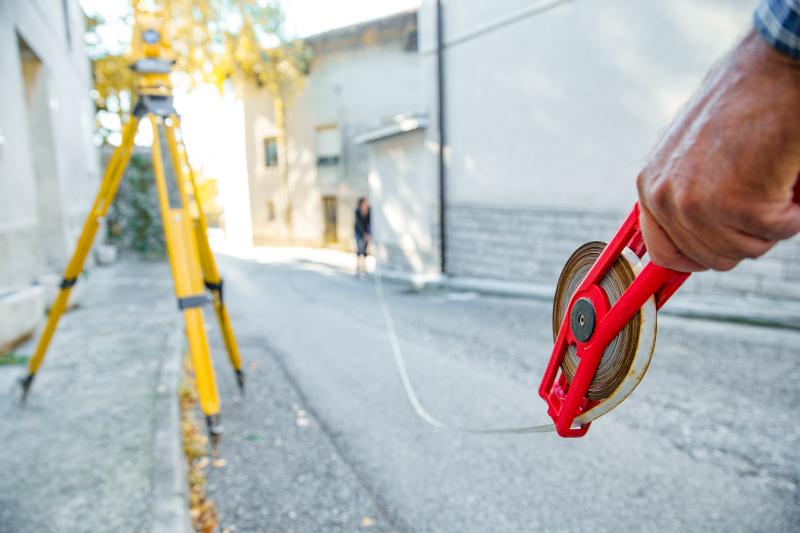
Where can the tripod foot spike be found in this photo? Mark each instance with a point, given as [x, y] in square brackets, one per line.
[214, 425]
[240, 380]
[25, 383]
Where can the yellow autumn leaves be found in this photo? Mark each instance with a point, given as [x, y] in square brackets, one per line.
[212, 41]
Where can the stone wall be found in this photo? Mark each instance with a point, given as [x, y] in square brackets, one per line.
[532, 245]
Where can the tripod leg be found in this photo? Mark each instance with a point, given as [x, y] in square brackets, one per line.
[105, 197]
[211, 275]
[186, 274]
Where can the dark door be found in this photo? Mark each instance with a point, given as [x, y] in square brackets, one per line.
[329, 206]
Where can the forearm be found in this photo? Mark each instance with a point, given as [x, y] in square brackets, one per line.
[718, 187]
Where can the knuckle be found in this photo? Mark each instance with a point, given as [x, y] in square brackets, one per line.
[689, 204]
[784, 227]
[653, 191]
[643, 183]
[661, 197]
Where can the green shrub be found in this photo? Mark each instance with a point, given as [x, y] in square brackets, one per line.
[134, 220]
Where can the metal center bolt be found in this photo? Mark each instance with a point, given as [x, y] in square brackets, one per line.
[582, 319]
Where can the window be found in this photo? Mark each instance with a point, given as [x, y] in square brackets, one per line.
[271, 152]
[411, 43]
[327, 160]
[329, 146]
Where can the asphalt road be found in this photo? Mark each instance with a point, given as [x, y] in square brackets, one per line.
[325, 440]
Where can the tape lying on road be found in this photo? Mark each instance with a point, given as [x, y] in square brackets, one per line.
[408, 386]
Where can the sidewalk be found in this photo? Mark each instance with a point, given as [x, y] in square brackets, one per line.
[745, 309]
[97, 446]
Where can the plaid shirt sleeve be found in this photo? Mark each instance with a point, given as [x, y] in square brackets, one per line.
[778, 21]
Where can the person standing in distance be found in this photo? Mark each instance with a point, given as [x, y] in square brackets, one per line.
[363, 229]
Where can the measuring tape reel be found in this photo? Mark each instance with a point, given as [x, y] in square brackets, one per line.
[604, 327]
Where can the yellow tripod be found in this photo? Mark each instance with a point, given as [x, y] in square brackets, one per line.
[193, 266]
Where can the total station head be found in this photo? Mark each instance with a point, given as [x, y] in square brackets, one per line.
[151, 45]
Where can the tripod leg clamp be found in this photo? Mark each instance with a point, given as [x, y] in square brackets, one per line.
[187, 302]
[215, 287]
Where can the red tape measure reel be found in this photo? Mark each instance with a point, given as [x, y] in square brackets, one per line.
[593, 320]
[604, 325]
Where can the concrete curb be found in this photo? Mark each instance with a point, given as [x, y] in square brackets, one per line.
[744, 310]
[782, 314]
[170, 493]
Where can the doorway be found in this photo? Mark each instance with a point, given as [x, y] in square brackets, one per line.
[40, 134]
[329, 208]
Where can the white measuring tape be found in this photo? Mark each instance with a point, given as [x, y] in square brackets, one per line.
[408, 387]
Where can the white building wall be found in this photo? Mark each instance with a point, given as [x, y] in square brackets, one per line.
[552, 112]
[403, 191]
[264, 182]
[560, 108]
[48, 164]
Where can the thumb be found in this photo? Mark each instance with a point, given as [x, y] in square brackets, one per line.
[787, 223]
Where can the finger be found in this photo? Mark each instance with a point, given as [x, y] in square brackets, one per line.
[692, 244]
[784, 222]
[751, 246]
[683, 248]
[699, 246]
[732, 242]
[772, 222]
[662, 250]
[710, 226]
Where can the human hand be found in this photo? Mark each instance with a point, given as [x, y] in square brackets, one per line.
[718, 187]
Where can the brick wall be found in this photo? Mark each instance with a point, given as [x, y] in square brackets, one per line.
[531, 245]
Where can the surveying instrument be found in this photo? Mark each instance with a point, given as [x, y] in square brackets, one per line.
[192, 263]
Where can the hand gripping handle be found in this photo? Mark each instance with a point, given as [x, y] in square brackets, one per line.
[567, 400]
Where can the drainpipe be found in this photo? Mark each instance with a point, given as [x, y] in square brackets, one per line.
[440, 104]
